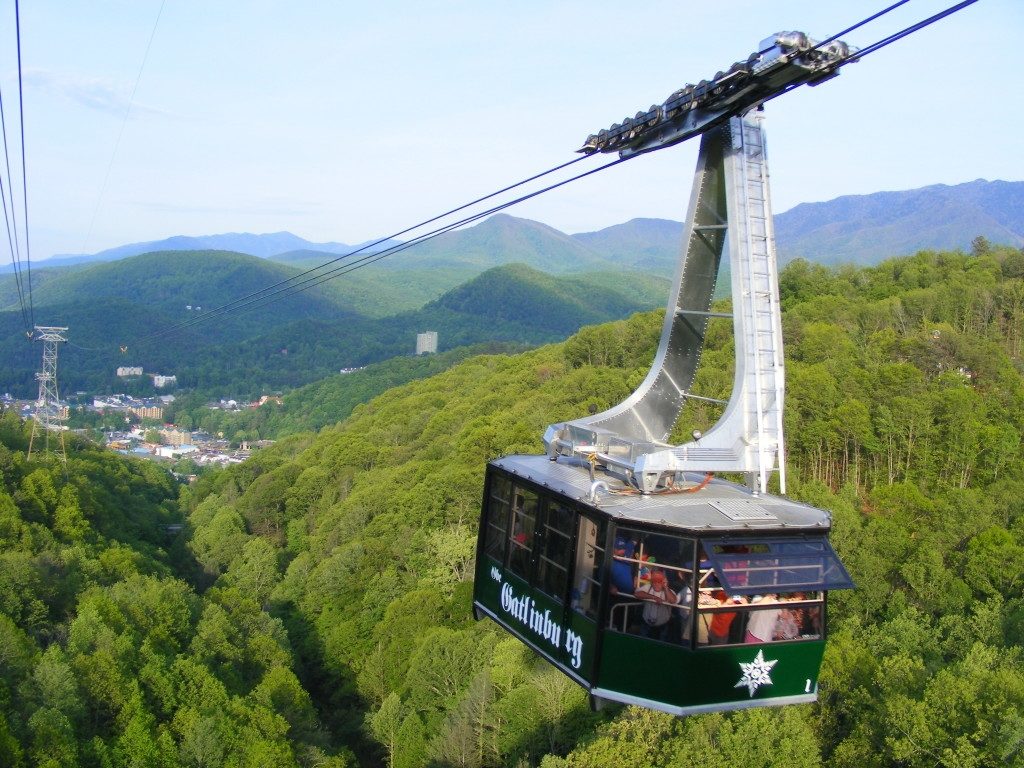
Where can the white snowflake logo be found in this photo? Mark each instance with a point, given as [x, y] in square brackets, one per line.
[755, 674]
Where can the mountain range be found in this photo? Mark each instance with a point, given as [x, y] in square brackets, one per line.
[264, 246]
[865, 229]
[505, 279]
[858, 229]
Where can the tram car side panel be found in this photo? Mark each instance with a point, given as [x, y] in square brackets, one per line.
[529, 570]
[663, 649]
[673, 679]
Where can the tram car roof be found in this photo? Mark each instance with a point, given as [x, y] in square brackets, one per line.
[719, 508]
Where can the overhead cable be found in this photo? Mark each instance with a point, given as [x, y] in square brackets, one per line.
[24, 169]
[11, 220]
[261, 298]
[120, 133]
[371, 244]
[912, 28]
[15, 259]
[256, 300]
[366, 261]
[296, 284]
[861, 23]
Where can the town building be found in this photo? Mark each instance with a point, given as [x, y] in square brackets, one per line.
[426, 343]
[264, 399]
[175, 437]
[175, 451]
[147, 411]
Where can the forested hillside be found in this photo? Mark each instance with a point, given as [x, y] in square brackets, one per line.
[168, 282]
[109, 655]
[324, 600]
[289, 343]
[511, 304]
[109, 305]
[322, 403]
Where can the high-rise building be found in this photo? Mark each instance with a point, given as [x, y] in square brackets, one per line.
[426, 343]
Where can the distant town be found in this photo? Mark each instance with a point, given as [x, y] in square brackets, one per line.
[135, 425]
[144, 434]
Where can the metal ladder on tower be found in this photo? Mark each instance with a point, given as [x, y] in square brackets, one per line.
[764, 318]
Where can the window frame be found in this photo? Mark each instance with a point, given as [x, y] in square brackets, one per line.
[597, 578]
[788, 559]
[544, 533]
[528, 545]
[754, 598]
[686, 575]
[495, 545]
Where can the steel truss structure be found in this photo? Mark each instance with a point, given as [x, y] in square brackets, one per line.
[730, 205]
[48, 414]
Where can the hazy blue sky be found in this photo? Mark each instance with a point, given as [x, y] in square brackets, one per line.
[350, 120]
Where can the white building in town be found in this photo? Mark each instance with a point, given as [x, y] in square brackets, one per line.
[426, 343]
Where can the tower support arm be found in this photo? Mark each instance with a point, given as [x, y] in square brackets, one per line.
[730, 205]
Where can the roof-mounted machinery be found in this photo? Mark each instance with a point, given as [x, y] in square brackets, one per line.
[784, 61]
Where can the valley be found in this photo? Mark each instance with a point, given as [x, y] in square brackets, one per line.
[547, 285]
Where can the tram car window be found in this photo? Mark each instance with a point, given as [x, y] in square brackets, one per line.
[554, 549]
[499, 505]
[663, 587]
[524, 521]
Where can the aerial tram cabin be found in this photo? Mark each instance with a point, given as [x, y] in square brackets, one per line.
[661, 599]
[620, 558]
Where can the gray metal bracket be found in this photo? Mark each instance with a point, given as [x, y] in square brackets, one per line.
[730, 203]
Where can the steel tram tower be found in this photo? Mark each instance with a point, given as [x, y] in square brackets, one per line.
[48, 414]
[730, 206]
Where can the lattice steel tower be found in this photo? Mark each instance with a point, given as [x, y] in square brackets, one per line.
[48, 413]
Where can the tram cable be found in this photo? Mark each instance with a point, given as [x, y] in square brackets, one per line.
[24, 168]
[292, 285]
[120, 134]
[15, 254]
[230, 306]
[860, 23]
[11, 222]
[263, 298]
[878, 45]
[366, 261]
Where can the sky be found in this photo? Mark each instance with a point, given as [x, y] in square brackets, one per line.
[351, 121]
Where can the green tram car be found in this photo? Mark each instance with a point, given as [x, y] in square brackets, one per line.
[701, 598]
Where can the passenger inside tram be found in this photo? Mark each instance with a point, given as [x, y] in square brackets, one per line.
[660, 604]
[653, 594]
